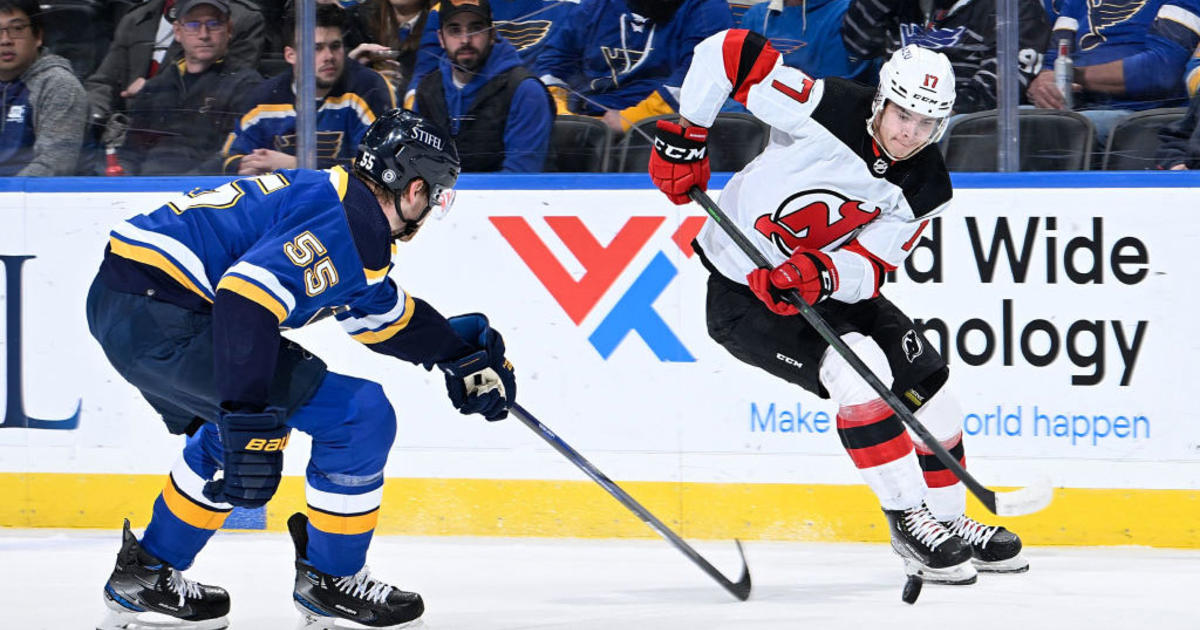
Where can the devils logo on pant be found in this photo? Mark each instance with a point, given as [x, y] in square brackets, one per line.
[912, 345]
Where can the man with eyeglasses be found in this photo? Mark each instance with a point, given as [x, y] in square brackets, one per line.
[349, 98]
[144, 44]
[178, 121]
[41, 128]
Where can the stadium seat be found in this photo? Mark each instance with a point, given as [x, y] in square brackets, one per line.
[1050, 139]
[1133, 143]
[272, 64]
[578, 144]
[77, 30]
[733, 140]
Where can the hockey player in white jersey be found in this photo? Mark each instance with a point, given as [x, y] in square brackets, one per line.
[850, 178]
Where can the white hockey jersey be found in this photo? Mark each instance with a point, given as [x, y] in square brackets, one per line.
[822, 182]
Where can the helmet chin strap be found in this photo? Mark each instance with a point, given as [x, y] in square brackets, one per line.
[410, 225]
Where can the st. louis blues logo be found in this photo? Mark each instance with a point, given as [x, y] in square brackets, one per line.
[934, 38]
[1102, 16]
[620, 61]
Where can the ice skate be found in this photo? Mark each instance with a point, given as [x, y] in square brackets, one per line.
[929, 549]
[330, 602]
[146, 593]
[993, 548]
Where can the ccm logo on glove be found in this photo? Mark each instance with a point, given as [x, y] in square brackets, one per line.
[679, 160]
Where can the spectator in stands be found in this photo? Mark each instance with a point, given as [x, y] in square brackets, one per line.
[1179, 142]
[44, 104]
[145, 43]
[498, 112]
[625, 59]
[808, 33]
[1051, 7]
[1128, 56]
[526, 24]
[349, 98]
[355, 30]
[965, 31]
[394, 29]
[181, 116]
[1191, 73]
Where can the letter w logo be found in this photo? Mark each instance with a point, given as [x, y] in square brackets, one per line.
[603, 264]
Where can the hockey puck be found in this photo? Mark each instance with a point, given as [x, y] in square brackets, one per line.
[912, 589]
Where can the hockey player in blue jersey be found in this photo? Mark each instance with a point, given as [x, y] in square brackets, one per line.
[188, 306]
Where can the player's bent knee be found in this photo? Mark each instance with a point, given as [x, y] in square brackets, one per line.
[353, 427]
[373, 422]
[844, 384]
[941, 413]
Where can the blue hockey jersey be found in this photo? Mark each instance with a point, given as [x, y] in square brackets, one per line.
[1153, 38]
[343, 115]
[617, 59]
[809, 37]
[274, 252]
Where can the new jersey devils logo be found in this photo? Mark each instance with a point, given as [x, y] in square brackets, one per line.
[813, 219]
[911, 342]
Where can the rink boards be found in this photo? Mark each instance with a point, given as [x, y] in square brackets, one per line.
[1063, 304]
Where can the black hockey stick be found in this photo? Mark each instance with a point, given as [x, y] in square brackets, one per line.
[1012, 503]
[739, 589]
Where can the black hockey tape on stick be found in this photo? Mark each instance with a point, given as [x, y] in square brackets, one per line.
[739, 589]
[1012, 503]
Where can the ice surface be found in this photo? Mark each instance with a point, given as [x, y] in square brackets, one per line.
[52, 579]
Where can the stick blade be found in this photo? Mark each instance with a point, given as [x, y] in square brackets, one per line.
[741, 588]
[1025, 500]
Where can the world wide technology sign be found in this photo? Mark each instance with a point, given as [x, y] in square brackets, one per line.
[1065, 316]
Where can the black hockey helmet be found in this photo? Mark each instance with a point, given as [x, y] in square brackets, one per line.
[401, 146]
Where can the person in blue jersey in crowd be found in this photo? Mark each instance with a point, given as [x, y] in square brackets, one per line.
[43, 104]
[499, 113]
[188, 305]
[1129, 55]
[625, 60]
[526, 24]
[808, 33]
[349, 97]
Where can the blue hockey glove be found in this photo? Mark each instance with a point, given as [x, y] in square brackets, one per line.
[481, 382]
[253, 444]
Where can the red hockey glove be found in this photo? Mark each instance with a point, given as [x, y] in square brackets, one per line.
[809, 271]
[680, 160]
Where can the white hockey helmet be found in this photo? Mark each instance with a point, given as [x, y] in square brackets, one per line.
[919, 80]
